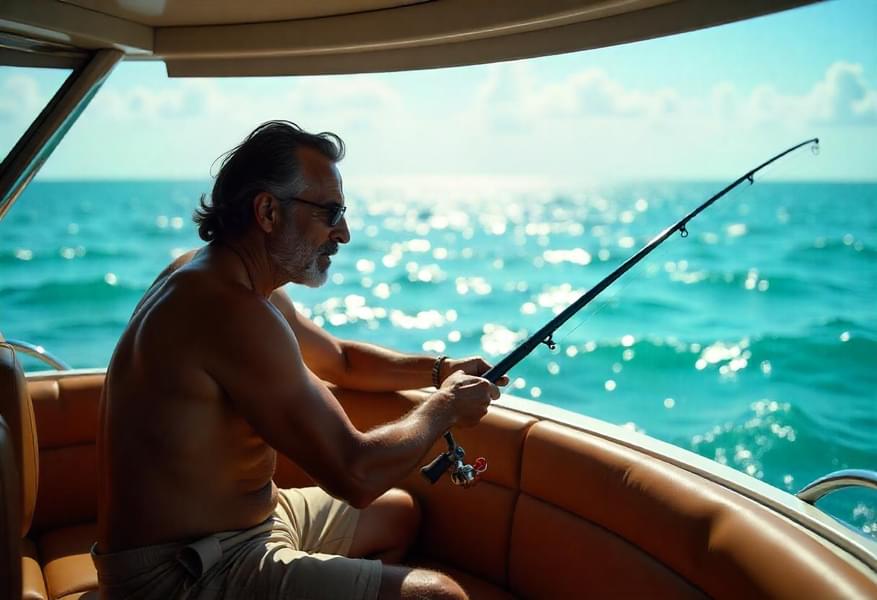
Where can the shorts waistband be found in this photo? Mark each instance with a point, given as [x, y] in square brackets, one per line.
[196, 557]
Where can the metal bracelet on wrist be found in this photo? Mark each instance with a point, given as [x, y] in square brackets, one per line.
[437, 371]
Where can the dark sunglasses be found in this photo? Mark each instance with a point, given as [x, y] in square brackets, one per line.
[334, 211]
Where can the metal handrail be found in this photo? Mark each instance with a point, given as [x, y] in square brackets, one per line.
[39, 353]
[837, 480]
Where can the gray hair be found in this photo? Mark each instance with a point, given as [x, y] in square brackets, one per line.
[266, 161]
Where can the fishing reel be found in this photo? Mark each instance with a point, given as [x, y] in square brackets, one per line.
[452, 460]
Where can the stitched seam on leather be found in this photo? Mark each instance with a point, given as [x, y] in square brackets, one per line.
[624, 540]
[508, 556]
[511, 529]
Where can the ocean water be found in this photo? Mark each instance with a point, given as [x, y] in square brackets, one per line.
[751, 342]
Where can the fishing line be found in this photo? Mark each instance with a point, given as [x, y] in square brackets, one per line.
[452, 460]
[661, 254]
[767, 174]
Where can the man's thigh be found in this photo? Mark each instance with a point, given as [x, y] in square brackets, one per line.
[387, 527]
[317, 522]
[405, 583]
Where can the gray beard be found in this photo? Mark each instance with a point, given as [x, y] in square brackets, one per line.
[297, 260]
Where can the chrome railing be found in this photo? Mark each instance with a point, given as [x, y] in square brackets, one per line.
[37, 352]
[837, 480]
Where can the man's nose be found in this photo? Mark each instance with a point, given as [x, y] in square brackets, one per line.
[341, 233]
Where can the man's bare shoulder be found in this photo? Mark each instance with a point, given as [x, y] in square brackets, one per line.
[197, 302]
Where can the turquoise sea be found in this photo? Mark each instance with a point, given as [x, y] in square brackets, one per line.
[751, 342]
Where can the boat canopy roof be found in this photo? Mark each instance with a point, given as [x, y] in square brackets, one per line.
[305, 37]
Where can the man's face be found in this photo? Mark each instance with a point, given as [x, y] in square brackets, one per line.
[304, 241]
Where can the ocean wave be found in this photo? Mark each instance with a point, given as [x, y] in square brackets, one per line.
[815, 361]
[58, 293]
[770, 433]
[831, 250]
[21, 256]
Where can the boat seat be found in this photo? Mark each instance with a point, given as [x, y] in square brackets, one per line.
[17, 410]
[67, 564]
[10, 517]
[558, 512]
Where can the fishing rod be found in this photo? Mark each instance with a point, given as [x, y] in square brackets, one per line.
[466, 475]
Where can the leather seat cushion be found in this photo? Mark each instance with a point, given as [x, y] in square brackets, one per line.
[33, 586]
[67, 563]
[10, 516]
[17, 409]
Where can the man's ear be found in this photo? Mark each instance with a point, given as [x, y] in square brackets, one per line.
[266, 211]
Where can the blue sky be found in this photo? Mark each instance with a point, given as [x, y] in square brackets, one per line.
[704, 105]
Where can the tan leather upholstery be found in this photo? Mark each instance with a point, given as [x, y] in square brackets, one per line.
[583, 558]
[67, 563]
[560, 514]
[20, 483]
[10, 517]
[470, 529]
[66, 411]
[89, 595]
[33, 586]
[719, 541]
[16, 408]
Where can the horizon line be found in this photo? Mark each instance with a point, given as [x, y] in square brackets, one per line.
[512, 178]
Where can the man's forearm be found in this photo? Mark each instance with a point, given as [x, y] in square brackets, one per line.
[390, 452]
[375, 369]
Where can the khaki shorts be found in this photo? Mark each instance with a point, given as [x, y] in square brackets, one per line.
[297, 553]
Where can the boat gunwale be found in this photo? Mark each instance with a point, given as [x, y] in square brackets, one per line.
[830, 531]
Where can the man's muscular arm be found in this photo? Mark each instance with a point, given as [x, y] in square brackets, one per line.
[269, 385]
[361, 366]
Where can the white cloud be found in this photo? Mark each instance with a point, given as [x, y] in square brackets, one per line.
[585, 126]
[351, 101]
[514, 93]
[512, 97]
[841, 97]
[20, 97]
[187, 98]
[592, 93]
[352, 95]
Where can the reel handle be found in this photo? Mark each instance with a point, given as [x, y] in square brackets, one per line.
[439, 465]
[444, 461]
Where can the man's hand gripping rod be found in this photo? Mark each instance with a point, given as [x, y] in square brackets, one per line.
[467, 475]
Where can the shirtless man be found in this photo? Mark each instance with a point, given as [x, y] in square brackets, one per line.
[216, 372]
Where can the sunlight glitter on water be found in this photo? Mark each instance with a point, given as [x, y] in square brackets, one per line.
[537, 250]
[425, 319]
[735, 356]
[497, 339]
[577, 256]
[558, 297]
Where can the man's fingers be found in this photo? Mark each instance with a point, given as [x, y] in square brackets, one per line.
[484, 367]
[486, 388]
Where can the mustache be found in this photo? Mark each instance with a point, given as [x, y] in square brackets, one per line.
[329, 248]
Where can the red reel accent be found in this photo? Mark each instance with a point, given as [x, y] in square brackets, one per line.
[480, 464]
